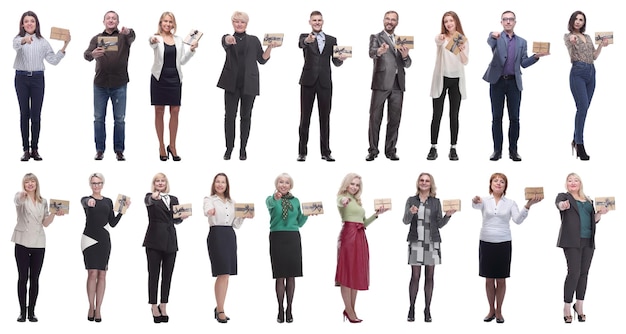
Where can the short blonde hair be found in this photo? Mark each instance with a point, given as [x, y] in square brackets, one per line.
[240, 16]
[286, 176]
[98, 175]
[343, 189]
[167, 183]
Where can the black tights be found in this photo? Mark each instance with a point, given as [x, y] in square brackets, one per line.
[428, 285]
[285, 286]
[29, 263]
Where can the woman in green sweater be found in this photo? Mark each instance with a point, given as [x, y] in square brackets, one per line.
[352, 272]
[286, 218]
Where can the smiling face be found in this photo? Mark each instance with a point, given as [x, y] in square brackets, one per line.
[424, 184]
[449, 24]
[573, 184]
[167, 24]
[508, 22]
[240, 25]
[316, 22]
[29, 23]
[354, 186]
[160, 183]
[96, 184]
[111, 21]
[220, 185]
[390, 22]
[498, 186]
[283, 185]
[30, 185]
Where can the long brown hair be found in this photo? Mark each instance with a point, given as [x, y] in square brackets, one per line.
[457, 22]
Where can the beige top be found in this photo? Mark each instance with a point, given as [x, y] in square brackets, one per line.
[29, 231]
[449, 65]
[581, 51]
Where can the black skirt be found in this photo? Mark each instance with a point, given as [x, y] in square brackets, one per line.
[494, 259]
[222, 245]
[167, 90]
[286, 254]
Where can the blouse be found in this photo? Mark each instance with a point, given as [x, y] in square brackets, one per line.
[448, 65]
[581, 51]
[295, 217]
[30, 56]
[29, 231]
[353, 212]
[496, 218]
[224, 212]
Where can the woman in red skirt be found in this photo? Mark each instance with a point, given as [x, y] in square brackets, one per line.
[352, 272]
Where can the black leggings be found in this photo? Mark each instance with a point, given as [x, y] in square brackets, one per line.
[451, 85]
[29, 262]
[156, 260]
[578, 263]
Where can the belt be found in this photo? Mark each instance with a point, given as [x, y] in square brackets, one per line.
[508, 77]
[28, 73]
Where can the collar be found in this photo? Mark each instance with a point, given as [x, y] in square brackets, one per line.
[114, 32]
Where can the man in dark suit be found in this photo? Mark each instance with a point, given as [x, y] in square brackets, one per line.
[387, 85]
[505, 78]
[317, 48]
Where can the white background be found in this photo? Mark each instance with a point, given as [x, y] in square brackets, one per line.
[534, 296]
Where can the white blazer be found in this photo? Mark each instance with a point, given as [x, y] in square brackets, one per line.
[183, 54]
[29, 231]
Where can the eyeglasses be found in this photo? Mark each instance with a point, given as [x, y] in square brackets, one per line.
[508, 19]
[97, 184]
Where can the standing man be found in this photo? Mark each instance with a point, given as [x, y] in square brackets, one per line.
[316, 80]
[387, 85]
[110, 49]
[505, 78]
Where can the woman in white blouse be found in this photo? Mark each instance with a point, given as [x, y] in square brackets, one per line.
[31, 50]
[495, 240]
[30, 242]
[449, 75]
[222, 241]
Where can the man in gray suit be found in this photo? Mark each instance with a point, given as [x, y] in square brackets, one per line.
[505, 78]
[387, 85]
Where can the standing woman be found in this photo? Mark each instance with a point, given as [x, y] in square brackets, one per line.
[170, 53]
[576, 237]
[286, 218]
[96, 242]
[494, 256]
[240, 80]
[423, 213]
[449, 75]
[222, 240]
[161, 243]
[353, 268]
[30, 242]
[582, 77]
[32, 49]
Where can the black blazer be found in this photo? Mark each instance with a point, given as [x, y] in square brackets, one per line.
[569, 233]
[161, 233]
[317, 66]
[252, 54]
[437, 220]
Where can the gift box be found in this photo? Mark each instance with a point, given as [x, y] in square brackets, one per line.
[312, 208]
[120, 204]
[60, 34]
[59, 204]
[404, 41]
[193, 37]
[269, 38]
[541, 47]
[242, 209]
[108, 43]
[608, 202]
[385, 203]
[342, 51]
[454, 43]
[451, 204]
[530, 192]
[604, 34]
[179, 209]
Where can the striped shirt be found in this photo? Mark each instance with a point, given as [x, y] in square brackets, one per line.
[30, 57]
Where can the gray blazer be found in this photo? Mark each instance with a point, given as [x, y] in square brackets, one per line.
[569, 233]
[387, 64]
[437, 220]
[499, 48]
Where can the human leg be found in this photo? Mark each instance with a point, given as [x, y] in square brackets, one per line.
[100, 101]
[324, 104]
[513, 101]
[496, 94]
[377, 104]
[394, 114]
[100, 287]
[413, 290]
[118, 101]
[454, 96]
[34, 269]
[490, 288]
[500, 292]
[429, 284]
[159, 125]
[22, 259]
[307, 98]
[173, 126]
[247, 102]
[23, 91]
[92, 281]
[280, 298]
[221, 286]
[231, 103]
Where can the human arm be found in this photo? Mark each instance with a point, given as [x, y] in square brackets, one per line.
[47, 217]
[377, 48]
[93, 51]
[49, 55]
[441, 220]
[492, 40]
[596, 52]
[477, 202]
[154, 41]
[562, 202]
[464, 54]
[410, 209]
[187, 50]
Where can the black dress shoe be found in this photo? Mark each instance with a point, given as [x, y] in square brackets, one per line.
[227, 154]
[515, 156]
[301, 157]
[489, 318]
[35, 155]
[243, 155]
[432, 154]
[99, 155]
[328, 157]
[25, 156]
[120, 156]
[500, 320]
[495, 156]
[393, 157]
[452, 155]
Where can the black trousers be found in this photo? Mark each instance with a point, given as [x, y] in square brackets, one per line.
[30, 90]
[324, 100]
[158, 260]
[451, 85]
[233, 101]
[29, 262]
[394, 100]
[578, 263]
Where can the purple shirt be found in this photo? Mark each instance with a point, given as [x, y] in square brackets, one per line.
[509, 64]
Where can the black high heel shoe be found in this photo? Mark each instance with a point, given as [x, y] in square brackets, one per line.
[174, 157]
[164, 318]
[96, 319]
[217, 316]
[92, 316]
[427, 317]
[157, 318]
[581, 317]
[281, 316]
[411, 316]
[163, 157]
[288, 316]
[581, 152]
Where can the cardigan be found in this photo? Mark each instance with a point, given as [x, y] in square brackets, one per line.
[437, 221]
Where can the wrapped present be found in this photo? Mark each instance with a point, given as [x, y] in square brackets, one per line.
[120, 204]
[339, 51]
[269, 38]
[451, 204]
[608, 202]
[604, 35]
[312, 208]
[108, 43]
[242, 209]
[60, 34]
[404, 41]
[530, 192]
[454, 43]
[193, 37]
[180, 209]
[541, 47]
[59, 204]
[385, 203]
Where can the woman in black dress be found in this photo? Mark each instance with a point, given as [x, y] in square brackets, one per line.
[96, 242]
[165, 86]
[161, 243]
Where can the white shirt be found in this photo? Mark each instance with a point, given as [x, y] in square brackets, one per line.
[224, 212]
[30, 57]
[496, 218]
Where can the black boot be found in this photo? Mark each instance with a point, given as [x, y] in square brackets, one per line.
[581, 153]
[31, 314]
[22, 317]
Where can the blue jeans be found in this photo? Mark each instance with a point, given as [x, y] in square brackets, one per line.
[582, 83]
[101, 96]
[497, 92]
[30, 91]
